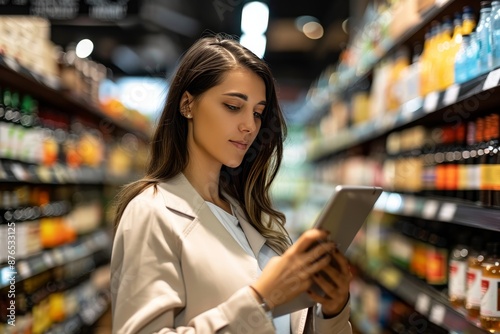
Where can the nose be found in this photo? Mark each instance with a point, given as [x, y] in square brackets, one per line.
[248, 123]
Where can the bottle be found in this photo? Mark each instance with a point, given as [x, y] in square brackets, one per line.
[436, 274]
[495, 160]
[474, 274]
[443, 52]
[457, 282]
[472, 54]
[469, 20]
[477, 156]
[419, 254]
[460, 147]
[483, 33]
[461, 60]
[454, 46]
[490, 287]
[495, 32]
[469, 155]
[485, 170]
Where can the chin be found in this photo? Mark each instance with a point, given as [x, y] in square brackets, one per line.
[233, 163]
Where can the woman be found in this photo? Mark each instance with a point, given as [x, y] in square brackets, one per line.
[198, 246]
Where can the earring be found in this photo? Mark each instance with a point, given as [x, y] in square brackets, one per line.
[189, 116]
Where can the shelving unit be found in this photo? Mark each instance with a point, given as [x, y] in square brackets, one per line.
[333, 154]
[442, 210]
[483, 90]
[427, 301]
[70, 268]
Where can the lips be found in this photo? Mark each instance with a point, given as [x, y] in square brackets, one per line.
[240, 144]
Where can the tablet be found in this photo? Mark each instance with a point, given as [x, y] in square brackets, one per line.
[346, 211]
[343, 215]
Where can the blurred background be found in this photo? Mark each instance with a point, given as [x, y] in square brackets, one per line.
[401, 94]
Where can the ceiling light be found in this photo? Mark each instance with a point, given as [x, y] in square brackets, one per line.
[84, 48]
[254, 18]
[313, 30]
[255, 43]
[302, 20]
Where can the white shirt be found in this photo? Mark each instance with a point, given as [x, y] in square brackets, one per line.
[230, 222]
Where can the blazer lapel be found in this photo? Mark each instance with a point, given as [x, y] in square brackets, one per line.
[255, 239]
[180, 196]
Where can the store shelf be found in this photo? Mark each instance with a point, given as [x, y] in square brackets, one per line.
[443, 210]
[440, 8]
[50, 91]
[426, 300]
[454, 104]
[48, 259]
[92, 310]
[20, 172]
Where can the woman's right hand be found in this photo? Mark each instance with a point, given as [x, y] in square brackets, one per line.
[287, 276]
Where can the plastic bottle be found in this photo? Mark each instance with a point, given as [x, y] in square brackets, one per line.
[461, 61]
[495, 32]
[474, 274]
[443, 51]
[472, 53]
[469, 20]
[490, 287]
[484, 38]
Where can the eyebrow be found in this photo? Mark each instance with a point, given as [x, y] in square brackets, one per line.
[243, 97]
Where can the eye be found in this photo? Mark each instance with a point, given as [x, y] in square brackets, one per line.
[257, 115]
[231, 107]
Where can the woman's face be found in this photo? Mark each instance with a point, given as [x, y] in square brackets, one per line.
[226, 120]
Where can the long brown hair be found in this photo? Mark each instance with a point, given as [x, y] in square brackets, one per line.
[201, 68]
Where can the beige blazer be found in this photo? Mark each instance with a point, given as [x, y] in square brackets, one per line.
[176, 269]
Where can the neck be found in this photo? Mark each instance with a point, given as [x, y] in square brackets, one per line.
[205, 182]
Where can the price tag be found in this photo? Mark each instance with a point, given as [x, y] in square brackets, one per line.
[492, 79]
[438, 312]
[447, 212]
[24, 269]
[430, 209]
[431, 102]
[47, 259]
[18, 171]
[451, 94]
[422, 303]
[410, 204]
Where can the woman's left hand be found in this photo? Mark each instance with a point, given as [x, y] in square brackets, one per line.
[334, 282]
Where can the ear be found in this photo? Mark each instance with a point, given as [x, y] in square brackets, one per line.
[184, 105]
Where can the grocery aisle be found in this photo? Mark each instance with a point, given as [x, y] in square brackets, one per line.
[412, 105]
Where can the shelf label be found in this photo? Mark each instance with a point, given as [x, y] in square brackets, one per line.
[431, 102]
[451, 94]
[447, 212]
[410, 204]
[492, 79]
[438, 312]
[430, 209]
[422, 303]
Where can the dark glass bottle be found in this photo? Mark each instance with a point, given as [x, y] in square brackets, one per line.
[484, 165]
[469, 155]
[494, 159]
[437, 257]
